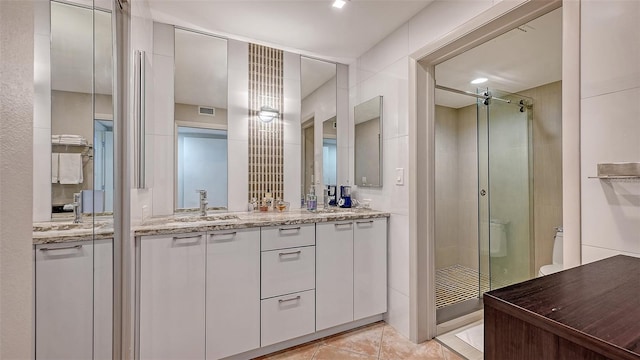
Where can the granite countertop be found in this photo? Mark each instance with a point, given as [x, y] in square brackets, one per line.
[66, 231]
[56, 231]
[241, 220]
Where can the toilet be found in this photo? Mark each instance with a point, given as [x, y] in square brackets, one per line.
[498, 236]
[556, 264]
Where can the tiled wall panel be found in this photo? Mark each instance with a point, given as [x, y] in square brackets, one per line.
[266, 144]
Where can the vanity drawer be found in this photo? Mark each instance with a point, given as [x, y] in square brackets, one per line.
[287, 236]
[287, 271]
[287, 317]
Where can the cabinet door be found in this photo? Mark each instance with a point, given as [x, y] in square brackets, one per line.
[370, 268]
[103, 299]
[64, 301]
[233, 292]
[172, 297]
[334, 279]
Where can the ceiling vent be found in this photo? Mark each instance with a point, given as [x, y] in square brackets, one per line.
[207, 110]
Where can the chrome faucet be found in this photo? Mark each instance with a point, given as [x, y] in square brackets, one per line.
[77, 208]
[203, 202]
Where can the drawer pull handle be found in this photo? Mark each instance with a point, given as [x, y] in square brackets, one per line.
[287, 300]
[62, 248]
[365, 222]
[290, 253]
[182, 237]
[233, 233]
[290, 229]
[342, 224]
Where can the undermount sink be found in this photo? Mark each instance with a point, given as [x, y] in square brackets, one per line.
[190, 219]
[215, 217]
[66, 226]
[337, 211]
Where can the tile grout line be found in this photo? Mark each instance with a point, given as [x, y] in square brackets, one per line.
[381, 339]
[313, 356]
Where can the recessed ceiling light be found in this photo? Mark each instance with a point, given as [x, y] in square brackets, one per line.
[339, 4]
[479, 81]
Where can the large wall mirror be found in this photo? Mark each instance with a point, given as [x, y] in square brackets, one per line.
[81, 109]
[368, 143]
[200, 119]
[319, 124]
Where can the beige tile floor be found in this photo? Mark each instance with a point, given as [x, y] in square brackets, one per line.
[371, 342]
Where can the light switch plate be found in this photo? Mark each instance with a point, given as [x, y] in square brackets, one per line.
[400, 176]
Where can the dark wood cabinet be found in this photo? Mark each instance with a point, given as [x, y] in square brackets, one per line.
[590, 312]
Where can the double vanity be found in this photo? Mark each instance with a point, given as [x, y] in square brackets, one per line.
[227, 284]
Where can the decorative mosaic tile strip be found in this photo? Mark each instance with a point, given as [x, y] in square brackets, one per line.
[266, 145]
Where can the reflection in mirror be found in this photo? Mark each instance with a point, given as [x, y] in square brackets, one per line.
[329, 152]
[201, 119]
[368, 143]
[308, 154]
[199, 152]
[80, 36]
[318, 92]
[103, 163]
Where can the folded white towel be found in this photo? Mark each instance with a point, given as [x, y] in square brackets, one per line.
[54, 167]
[72, 142]
[70, 169]
[68, 140]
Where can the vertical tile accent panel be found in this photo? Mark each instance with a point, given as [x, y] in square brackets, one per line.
[266, 145]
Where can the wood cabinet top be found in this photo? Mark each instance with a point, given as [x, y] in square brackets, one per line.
[596, 305]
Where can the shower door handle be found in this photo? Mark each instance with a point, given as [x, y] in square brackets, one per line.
[483, 192]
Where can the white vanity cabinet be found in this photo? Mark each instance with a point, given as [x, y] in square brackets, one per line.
[369, 267]
[233, 292]
[217, 294]
[72, 280]
[287, 282]
[172, 296]
[351, 260]
[334, 281]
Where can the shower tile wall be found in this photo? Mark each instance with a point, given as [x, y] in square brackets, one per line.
[467, 221]
[547, 167]
[456, 187]
[447, 234]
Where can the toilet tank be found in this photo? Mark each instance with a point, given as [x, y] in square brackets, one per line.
[557, 247]
[498, 238]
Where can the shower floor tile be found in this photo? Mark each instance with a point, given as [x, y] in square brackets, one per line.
[459, 283]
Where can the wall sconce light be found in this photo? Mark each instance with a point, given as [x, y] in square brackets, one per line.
[267, 114]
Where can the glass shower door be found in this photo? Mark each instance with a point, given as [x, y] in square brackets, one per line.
[505, 190]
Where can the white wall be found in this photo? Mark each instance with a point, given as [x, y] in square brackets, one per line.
[16, 171]
[160, 126]
[610, 129]
[292, 129]
[141, 39]
[384, 70]
[42, 113]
